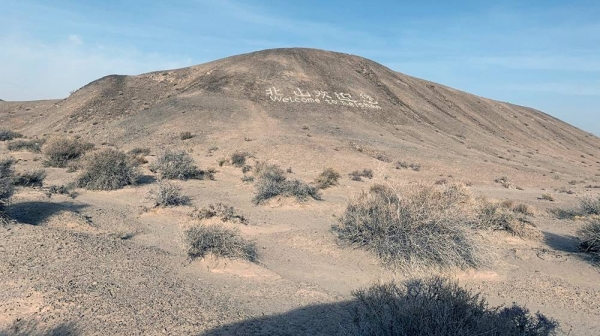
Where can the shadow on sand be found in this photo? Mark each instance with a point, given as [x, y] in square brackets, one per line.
[35, 213]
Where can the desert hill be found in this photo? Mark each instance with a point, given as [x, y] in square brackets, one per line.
[96, 262]
[270, 95]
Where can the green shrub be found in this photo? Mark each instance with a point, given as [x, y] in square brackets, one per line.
[357, 175]
[424, 227]
[33, 178]
[177, 165]
[168, 194]
[272, 182]
[34, 146]
[59, 151]
[328, 177]
[224, 212]
[589, 235]
[220, 241]
[6, 135]
[108, 169]
[439, 307]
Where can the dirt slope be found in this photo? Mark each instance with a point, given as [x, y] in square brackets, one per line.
[103, 263]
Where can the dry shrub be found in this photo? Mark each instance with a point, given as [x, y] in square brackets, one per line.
[505, 182]
[63, 189]
[59, 151]
[185, 135]
[6, 183]
[6, 135]
[139, 151]
[168, 194]
[224, 212]
[590, 205]
[589, 235]
[419, 226]
[33, 178]
[357, 175]
[272, 182]
[406, 165]
[238, 159]
[177, 165]
[548, 197]
[108, 169]
[501, 217]
[34, 145]
[328, 177]
[220, 241]
[440, 307]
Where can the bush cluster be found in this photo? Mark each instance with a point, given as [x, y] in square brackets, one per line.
[439, 307]
[59, 151]
[6, 135]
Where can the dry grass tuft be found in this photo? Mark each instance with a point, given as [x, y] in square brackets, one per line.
[34, 145]
[328, 177]
[357, 175]
[220, 241]
[6, 135]
[6, 183]
[177, 165]
[272, 182]
[167, 194]
[33, 178]
[225, 212]
[589, 235]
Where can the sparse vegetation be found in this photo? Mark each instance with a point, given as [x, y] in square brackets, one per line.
[224, 212]
[440, 307]
[548, 197]
[357, 175]
[424, 227]
[34, 145]
[59, 151]
[6, 135]
[177, 165]
[167, 194]
[504, 181]
[328, 177]
[406, 165]
[272, 182]
[220, 241]
[64, 189]
[139, 151]
[505, 216]
[185, 135]
[589, 235]
[33, 178]
[247, 178]
[108, 169]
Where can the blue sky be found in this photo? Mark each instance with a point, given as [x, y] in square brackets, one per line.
[539, 53]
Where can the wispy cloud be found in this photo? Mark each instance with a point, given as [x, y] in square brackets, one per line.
[39, 70]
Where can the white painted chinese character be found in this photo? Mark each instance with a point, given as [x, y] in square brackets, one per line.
[368, 99]
[322, 94]
[345, 97]
[299, 93]
[274, 93]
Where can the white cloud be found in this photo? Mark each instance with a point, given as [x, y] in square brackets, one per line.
[35, 70]
[75, 39]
